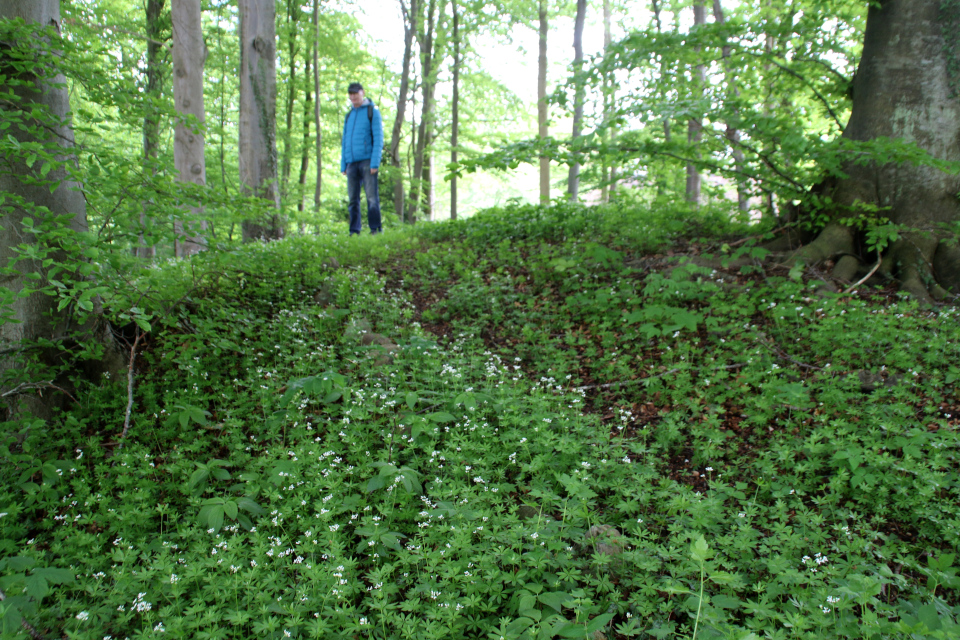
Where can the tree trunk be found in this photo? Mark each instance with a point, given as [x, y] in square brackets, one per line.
[607, 173]
[151, 118]
[455, 120]
[428, 84]
[305, 143]
[258, 116]
[732, 133]
[189, 56]
[542, 110]
[695, 124]
[573, 179]
[30, 315]
[409, 31]
[293, 10]
[317, 193]
[904, 88]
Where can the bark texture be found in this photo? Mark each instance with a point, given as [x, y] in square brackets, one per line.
[695, 124]
[543, 113]
[151, 118]
[34, 316]
[903, 89]
[258, 115]
[573, 178]
[189, 57]
[409, 31]
[455, 107]
[419, 195]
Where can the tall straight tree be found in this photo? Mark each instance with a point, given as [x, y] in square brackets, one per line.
[151, 117]
[305, 142]
[292, 29]
[419, 196]
[410, 12]
[318, 190]
[455, 107]
[542, 110]
[189, 57]
[573, 179]
[695, 122]
[732, 133]
[258, 115]
[608, 172]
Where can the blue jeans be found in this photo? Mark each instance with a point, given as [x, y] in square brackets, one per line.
[359, 173]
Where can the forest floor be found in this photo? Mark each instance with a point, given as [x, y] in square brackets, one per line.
[535, 423]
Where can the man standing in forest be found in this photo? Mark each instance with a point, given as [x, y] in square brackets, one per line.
[360, 158]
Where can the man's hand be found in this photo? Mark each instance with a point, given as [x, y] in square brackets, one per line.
[373, 171]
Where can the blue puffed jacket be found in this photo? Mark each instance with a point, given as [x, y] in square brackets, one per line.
[358, 142]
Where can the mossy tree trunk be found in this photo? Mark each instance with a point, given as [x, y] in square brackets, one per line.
[33, 328]
[905, 87]
[258, 116]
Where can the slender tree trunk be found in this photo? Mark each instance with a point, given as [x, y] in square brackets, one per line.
[573, 178]
[695, 124]
[428, 84]
[151, 119]
[409, 31]
[607, 173]
[542, 110]
[455, 120]
[258, 116]
[223, 106]
[732, 133]
[189, 56]
[662, 182]
[318, 190]
[305, 143]
[293, 26]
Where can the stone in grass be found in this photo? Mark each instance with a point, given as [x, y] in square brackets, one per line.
[330, 263]
[357, 328]
[325, 295]
[526, 512]
[604, 539]
[388, 347]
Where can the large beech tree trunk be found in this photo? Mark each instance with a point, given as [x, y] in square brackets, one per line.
[34, 316]
[258, 115]
[189, 56]
[903, 89]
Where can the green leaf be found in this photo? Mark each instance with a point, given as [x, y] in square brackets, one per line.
[554, 600]
[411, 399]
[55, 576]
[230, 509]
[440, 417]
[699, 550]
[18, 563]
[599, 623]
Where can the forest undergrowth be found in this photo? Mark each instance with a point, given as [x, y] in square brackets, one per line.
[535, 423]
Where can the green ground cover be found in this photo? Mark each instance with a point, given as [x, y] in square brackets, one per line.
[558, 430]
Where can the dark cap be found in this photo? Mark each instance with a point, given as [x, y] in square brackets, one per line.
[355, 87]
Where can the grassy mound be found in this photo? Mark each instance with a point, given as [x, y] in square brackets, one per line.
[536, 423]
